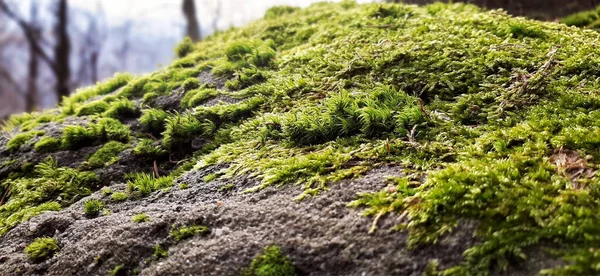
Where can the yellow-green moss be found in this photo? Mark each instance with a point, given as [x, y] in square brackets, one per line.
[271, 263]
[139, 218]
[41, 248]
[106, 155]
[184, 232]
[20, 139]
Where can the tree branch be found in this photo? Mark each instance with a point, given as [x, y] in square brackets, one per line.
[30, 35]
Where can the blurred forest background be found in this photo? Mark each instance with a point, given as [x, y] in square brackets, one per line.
[49, 48]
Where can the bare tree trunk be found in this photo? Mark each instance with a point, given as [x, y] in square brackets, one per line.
[62, 51]
[31, 93]
[193, 27]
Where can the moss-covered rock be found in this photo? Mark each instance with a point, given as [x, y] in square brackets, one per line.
[492, 119]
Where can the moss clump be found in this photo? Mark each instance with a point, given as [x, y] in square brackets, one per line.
[20, 139]
[41, 249]
[118, 270]
[153, 120]
[149, 149]
[118, 196]
[226, 188]
[47, 188]
[590, 19]
[145, 184]
[279, 11]
[106, 155]
[181, 129]
[104, 129]
[185, 47]
[48, 144]
[197, 96]
[160, 252]
[185, 232]
[95, 107]
[139, 218]
[106, 191]
[73, 104]
[190, 83]
[121, 109]
[271, 263]
[93, 207]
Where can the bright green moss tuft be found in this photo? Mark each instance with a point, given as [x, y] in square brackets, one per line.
[41, 249]
[145, 184]
[122, 108]
[190, 83]
[181, 129]
[271, 263]
[588, 19]
[118, 270]
[185, 232]
[160, 252]
[226, 188]
[197, 96]
[139, 218]
[71, 105]
[118, 196]
[279, 11]
[209, 177]
[20, 139]
[93, 207]
[185, 47]
[149, 149]
[153, 120]
[104, 129]
[95, 107]
[106, 191]
[48, 144]
[106, 155]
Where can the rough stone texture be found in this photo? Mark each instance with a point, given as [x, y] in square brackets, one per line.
[321, 235]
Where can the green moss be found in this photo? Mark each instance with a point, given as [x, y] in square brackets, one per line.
[197, 96]
[139, 218]
[278, 11]
[181, 129]
[185, 232]
[583, 19]
[477, 105]
[20, 139]
[118, 196]
[209, 177]
[93, 207]
[72, 104]
[190, 83]
[160, 252]
[106, 191]
[118, 270]
[149, 97]
[48, 144]
[41, 249]
[145, 184]
[149, 149]
[121, 109]
[104, 129]
[47, 188]
[226, 188]
[183, 186]
[106, 155]
[185, 47]
[270, 263]
[153, 120]
[95, 107]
